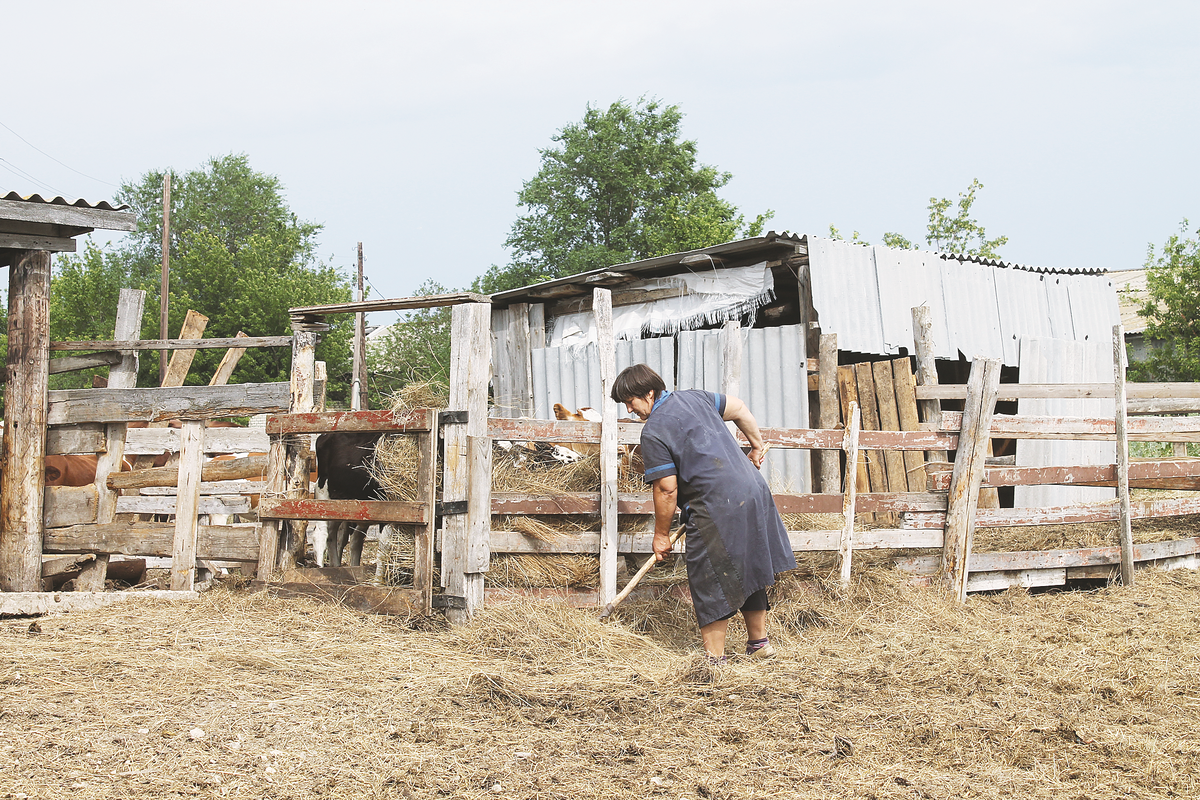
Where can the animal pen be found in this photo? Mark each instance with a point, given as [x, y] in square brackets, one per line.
[880, 424]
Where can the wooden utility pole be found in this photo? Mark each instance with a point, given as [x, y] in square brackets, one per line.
[358, 385]
[164, 294]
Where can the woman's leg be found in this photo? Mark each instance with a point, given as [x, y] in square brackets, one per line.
[713, 636]
[756, 624]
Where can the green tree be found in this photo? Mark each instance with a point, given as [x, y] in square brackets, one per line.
[415, 349]
[239, 256]
[618, 186]
[953, 234]
[1172, 310]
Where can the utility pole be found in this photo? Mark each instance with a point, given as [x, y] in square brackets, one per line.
[166, 269]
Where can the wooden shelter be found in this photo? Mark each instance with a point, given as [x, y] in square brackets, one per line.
[31, 228]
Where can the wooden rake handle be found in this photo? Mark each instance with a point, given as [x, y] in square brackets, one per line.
[641, 573]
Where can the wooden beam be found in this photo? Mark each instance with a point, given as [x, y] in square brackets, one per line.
[829, 411]
[419, 419]
[889, 420]
[74, 363]
[68, 406]
[358, 510]
[187, 505]
[240, 342]
[30, 604]
[1142, 429]
[1126, 529]
[152, 441]
[602, 309]
[213, 542]
[1036, 391]
[54, 214]
[1069, 515]
[1181, 473]
[252, 467]
[22, 459]
[389, 600]
[394, 304]
[967, 477]
[28, 241]
[846, 548]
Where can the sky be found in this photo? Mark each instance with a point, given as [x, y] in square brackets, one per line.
[410, 127]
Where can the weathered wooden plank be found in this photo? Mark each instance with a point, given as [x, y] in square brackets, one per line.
[187, 502]
[213, 542]
[1082, 557]
[252, 467]
[846, 544]
[166, 504]
[24, 446]
[637, 543]
[868, 406]
[642, 503]
[829, 411]
[30, 604]
[357, 510]
[967, 476]
[152, 441]
[1037, 391]
[931, 410]
[239, 342]
[602, 310]
[73, 363]
[1143, 429]
[423, 537]
[393, 304]
[229, 488]
[74, 216]
[229, 362]
[992, 581]
[1066, 515]
[1126, 527]
[418, 419]
[88, 437]
[27, 241]
[906, 409]
[69, 505]
[1181, 473]
[159, 404]
[889, 420]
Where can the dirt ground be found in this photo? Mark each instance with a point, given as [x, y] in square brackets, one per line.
[889, 692]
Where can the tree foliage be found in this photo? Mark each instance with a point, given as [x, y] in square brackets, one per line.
[959, 233]
[413, 350]
[1172, 310]
[618, 186]
[239, 256]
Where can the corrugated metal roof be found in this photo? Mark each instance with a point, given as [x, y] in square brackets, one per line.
[59, 200]
[995, 262]
[979, 307]
[742, 250]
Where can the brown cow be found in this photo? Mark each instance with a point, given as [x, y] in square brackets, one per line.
[75, 470]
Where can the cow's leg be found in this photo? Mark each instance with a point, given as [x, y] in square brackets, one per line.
[324, 532]
[357, 535]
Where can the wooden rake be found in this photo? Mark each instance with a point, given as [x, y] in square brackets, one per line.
[641, 573]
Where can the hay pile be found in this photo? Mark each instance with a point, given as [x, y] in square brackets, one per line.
[887, 693]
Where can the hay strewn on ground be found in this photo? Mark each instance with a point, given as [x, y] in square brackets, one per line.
[890, 693]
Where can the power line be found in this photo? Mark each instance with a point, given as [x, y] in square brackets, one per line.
[14, 169]
[55, 160]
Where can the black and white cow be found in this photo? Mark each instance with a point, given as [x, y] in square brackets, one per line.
[342, 474]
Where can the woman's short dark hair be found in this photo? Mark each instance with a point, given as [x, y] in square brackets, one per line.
[637, 381]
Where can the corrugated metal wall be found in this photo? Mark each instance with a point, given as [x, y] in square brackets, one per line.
[865, 295]
[1046, 360]
[774, 382]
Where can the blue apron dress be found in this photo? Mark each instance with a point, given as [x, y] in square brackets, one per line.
[735, 540]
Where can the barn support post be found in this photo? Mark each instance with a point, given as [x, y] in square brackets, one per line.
[606, 341]
[296, 462]
[23, 459]
[120, 376]
[983, 384]
[1121, 412]
[931, 410]
[850, 446]
[828, 410]
[468, 462]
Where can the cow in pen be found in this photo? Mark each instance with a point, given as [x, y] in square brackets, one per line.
[343, 474]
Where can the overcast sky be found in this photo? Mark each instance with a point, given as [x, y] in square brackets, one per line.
[411, 126]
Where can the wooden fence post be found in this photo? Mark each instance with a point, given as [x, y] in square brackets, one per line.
[187, 504]
[830, 413]
[23, 469]
[468, 461]
[296, 465]
[602, 308]
[982, 387]
[931, 410]
[1121, 410]
[850, 446]
[120, 376]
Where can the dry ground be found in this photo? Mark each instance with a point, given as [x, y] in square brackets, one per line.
[890, 692]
